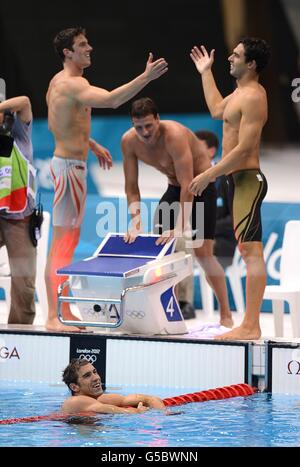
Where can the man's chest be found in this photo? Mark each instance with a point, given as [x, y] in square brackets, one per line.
[158, 157]
[232, 112]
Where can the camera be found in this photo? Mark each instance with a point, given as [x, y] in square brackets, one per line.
[6, 140]
[7, 124]
[35, 223]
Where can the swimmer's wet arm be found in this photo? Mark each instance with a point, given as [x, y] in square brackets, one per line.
[130, 168]
[113, 409]
[86, 405]
[203, 61]
[178, 148]
[152, 402]
[214, 100]
[101, 98]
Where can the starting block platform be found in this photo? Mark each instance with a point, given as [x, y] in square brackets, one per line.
[128, 286]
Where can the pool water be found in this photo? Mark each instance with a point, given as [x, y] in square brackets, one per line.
[260, 420]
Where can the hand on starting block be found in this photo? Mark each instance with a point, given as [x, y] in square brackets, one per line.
[166, 236]
[131, 235]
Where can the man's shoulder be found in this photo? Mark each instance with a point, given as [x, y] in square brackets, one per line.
[253, 95]
[69, 85]
[75, 403]
[173, 130]
[129, 137]
[67, 404]
[172, 126]
[254, 104]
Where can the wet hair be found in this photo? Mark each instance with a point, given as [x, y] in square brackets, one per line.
[65, 40]
[209, 137]
[258, 50]
[142, 107]
[70, 373]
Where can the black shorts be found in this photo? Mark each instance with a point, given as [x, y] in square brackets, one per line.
[246, 191]
[203, 216]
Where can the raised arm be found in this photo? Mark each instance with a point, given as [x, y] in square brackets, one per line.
[21, 105]
[100, 98]
[203, 62]
[131, 172]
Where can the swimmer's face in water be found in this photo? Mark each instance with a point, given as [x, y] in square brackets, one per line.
[88, 382]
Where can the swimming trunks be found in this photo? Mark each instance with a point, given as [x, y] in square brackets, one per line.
[69, 178]
[203, 216]
[247, 189]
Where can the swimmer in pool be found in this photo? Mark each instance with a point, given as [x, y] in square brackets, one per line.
[84, 382]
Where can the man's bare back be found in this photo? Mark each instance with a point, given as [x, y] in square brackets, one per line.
[157, 154]
[69, 120]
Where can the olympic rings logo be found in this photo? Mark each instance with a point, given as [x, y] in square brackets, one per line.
[92, 312]
[90, 358]
[97, 310]
[139, 314]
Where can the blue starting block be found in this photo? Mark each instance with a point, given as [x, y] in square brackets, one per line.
[128, 286]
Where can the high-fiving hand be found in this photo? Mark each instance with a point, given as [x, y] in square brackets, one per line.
[202, 59]
[155, 69]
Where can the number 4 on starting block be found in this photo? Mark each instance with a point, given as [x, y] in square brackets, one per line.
[170, 305]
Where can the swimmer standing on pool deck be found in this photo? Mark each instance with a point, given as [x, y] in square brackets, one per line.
[244, 113]
[70, 98]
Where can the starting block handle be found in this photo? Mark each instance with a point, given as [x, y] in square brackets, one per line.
[138, 287]
[102, 324]
[66, 299]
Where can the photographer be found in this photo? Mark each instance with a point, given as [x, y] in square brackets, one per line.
[17, 205]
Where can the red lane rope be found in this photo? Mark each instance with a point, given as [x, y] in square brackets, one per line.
[234, 390]
[36, 418]
[225, 392]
